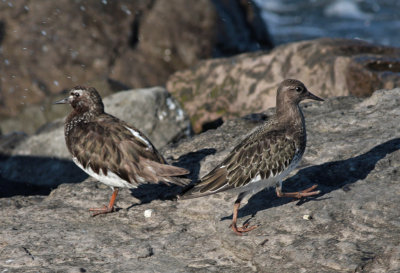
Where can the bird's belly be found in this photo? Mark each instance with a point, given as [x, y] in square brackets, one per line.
[257, 184]
[111, 179]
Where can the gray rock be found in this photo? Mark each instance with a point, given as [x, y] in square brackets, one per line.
[43, 159]
[353, 154]
[8, 142]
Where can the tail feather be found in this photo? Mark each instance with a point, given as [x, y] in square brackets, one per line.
[164, 170]
[176, 181]
[191, 191]
[165, 173]
[169, 170]
[213, 182]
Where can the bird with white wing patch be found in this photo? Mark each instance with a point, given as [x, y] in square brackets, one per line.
[110, 150]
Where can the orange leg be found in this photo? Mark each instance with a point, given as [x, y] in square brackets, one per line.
[244, 228]
[106, 209]
[299, 194]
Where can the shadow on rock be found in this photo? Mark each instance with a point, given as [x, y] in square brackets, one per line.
[191, 161]
[32, 175]
[329, 176]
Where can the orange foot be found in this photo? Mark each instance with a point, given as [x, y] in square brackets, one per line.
[105, 209]
[299, 194]
[243, 229]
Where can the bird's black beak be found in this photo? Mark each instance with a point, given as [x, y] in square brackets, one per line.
[63, 101]
[311, 96]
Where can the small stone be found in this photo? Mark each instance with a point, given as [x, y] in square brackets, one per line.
[148, 213]
[307, 217]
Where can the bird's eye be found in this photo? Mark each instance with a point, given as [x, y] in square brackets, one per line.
[299, 89]
[76, 94]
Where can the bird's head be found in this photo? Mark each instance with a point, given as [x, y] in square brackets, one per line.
[84, 99]
[294, 91]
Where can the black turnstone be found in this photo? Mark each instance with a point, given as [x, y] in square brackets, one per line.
[109, 149]
[265, 157]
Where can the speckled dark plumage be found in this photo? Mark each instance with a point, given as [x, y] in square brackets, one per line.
[266, 156]
[109, 149]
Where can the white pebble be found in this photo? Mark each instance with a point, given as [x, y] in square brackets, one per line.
[148, 213]
[307, 217]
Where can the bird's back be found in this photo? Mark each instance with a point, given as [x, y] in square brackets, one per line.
[106, 144]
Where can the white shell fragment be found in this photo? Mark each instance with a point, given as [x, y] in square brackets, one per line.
[148, 213]
[307, 217]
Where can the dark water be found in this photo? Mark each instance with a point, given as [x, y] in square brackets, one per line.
[369, 20]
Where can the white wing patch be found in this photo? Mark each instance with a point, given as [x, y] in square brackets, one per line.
[137, 134]
[111, 179]
[255, 179]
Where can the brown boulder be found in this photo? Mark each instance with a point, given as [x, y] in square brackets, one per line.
[48, 46]
[247, 83]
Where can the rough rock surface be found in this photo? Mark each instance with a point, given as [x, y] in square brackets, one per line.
[50, 46]
[43, 159]
[353, 154]
[246, 83]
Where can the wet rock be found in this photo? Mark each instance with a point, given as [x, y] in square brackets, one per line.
[247, 83]
[353, 154]
[52, 46]
[43, 159]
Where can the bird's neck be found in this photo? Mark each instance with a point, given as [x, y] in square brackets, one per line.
[290, 113]
[76, 118]
[292, 119]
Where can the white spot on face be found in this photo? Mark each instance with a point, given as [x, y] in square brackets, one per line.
[137, 135]
[76, 91]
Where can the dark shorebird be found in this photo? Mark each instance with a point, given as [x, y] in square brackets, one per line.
[265, 157]
[109, 149]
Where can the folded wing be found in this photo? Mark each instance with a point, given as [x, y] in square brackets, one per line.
[109, 145]
[255, 158]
